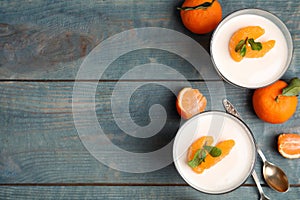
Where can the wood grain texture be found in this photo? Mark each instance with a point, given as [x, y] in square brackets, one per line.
[135, 192]
[49, 40]
[42, 46]
[40, 144]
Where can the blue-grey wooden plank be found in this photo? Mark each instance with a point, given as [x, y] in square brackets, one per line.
[50, 39]
[134, 192]
[40, 144]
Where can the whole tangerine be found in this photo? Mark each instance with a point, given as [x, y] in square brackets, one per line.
[201, 16]
[271, 106]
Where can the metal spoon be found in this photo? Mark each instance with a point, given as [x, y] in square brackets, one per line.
[231, 109]
[273, 175]
[261, 192]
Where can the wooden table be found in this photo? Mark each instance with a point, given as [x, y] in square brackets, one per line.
[43, 44]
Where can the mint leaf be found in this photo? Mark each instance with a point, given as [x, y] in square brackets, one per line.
[201, 154]
[241, 47]
[198, 158]
[293, 89]
[243, 51]
[255, 45]
[213, 151]
[208, 148]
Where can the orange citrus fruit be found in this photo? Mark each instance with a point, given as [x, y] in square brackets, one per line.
[249, 32]
[202, 20]
[190, 102]
[272, 107]
[210, 161]
[289, 145]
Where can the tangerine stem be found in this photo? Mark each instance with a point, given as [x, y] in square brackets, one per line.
[277, 98]
[205, 5]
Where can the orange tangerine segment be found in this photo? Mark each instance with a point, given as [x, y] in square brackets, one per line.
[241, 34]
[225, 146]
[266, 47]
[289, 145]
[198, 144]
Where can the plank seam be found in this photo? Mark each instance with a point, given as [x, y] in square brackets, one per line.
[113, 184]
[107, 80]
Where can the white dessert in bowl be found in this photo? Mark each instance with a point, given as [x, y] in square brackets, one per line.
[252, 72]
[229, 173]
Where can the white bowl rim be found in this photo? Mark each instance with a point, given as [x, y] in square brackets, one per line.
[278, 23]
[250, 134]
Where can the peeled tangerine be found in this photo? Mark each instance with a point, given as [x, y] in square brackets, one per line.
[249, 32]
[289, 145]
[190, 102]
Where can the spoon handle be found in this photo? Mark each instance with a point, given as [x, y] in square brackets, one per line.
[256, 180]
[230, 108]
[261, 154]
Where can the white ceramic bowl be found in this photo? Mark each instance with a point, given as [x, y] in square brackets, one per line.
[233, 170]
[252, 72]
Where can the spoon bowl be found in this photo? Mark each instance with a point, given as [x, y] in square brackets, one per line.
[273, 175]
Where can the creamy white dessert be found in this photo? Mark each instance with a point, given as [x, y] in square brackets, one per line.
[250, 72]
[232, 170]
